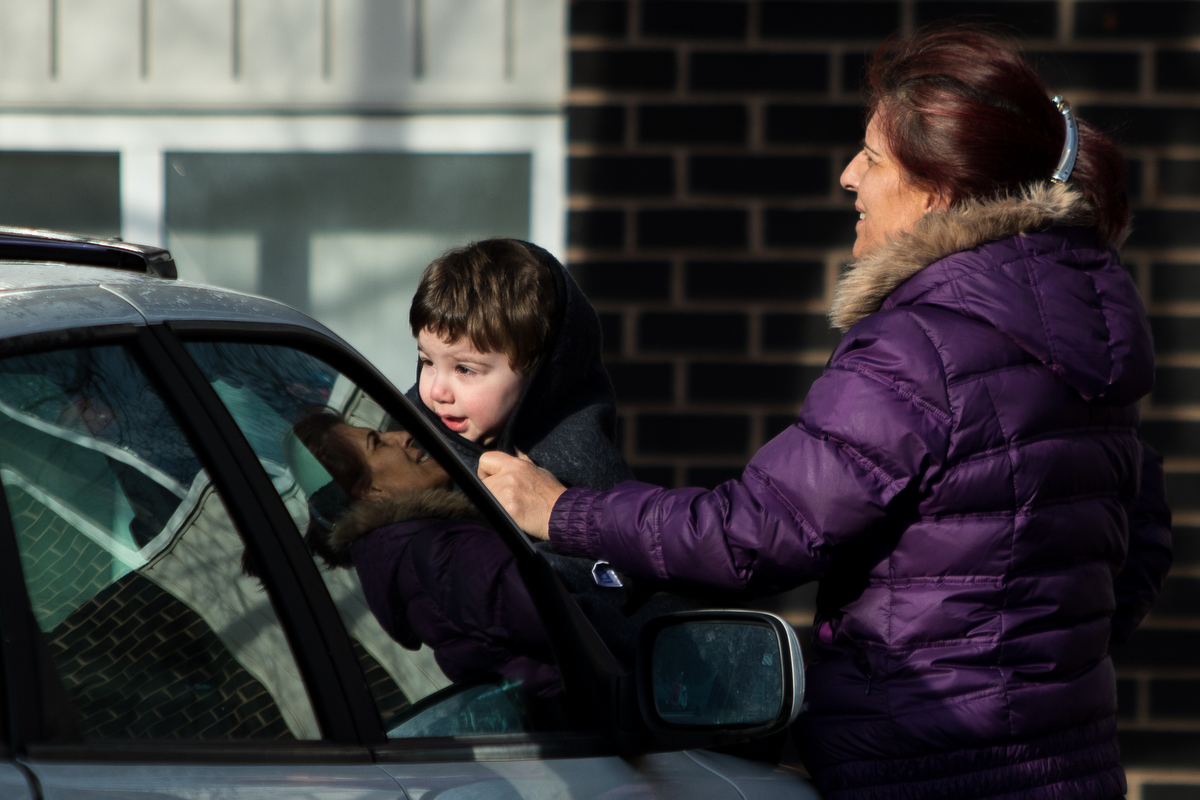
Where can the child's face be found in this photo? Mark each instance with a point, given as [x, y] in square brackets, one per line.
[473, 393]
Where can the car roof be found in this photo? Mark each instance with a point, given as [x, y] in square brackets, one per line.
[38, 297]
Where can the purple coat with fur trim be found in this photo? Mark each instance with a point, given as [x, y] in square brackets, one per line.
[967, 483]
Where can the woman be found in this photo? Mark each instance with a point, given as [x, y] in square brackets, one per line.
[965, 479]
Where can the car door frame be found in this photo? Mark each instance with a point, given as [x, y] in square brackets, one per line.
[591, 675]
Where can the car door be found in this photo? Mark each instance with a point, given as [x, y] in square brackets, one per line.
[447, 730]
[157, 642]
[14, 781]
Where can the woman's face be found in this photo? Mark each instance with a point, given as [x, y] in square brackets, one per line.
[887, 203]
[395, 461]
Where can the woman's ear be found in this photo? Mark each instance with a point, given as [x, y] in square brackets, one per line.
[373, 493]
[935, 201]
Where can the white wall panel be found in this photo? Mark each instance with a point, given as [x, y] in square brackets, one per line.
[327, 54]
[373, 55]
[281, 48]
[99, 46]
[24, 48]
[465, 43]
[190, 45]
[537, 24]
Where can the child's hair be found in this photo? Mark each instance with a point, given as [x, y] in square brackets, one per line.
[496, 292]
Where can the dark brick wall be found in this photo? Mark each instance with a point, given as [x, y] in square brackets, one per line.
[707, 227]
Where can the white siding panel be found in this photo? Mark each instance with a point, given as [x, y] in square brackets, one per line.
[286, 53]
[539, 57]
[24, 48]
[465, 44]
[99, 48]
[281, 47]
[373, 53]
[191, 47]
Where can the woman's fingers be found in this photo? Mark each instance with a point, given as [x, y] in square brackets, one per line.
[492, 462]
[526, 491]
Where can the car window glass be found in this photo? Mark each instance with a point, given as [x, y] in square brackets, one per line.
[133, 567]
[429, 594]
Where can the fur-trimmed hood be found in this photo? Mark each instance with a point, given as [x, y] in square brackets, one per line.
[872, 278]
[368, 515]
[1028, 265]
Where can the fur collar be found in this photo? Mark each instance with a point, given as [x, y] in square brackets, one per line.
[368, 515]
[869, 281]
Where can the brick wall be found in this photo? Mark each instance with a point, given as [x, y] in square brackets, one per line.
[707, 227]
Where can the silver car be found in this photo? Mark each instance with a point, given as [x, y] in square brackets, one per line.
[167, 633]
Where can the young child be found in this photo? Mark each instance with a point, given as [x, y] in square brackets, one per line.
[509, 359]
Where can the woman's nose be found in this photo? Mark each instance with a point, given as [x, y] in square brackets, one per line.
[400, 437]
[849, 179]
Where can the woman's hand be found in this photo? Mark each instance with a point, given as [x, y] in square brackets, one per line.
[527, 492]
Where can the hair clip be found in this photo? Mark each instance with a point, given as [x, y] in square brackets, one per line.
[1066, 162]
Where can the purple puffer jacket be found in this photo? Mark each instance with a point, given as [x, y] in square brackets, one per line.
[966, 481]
[433, 575]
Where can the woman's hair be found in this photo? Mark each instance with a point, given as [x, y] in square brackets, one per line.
[348, 470]
[337, 456]
[967, 117]
[498, 293]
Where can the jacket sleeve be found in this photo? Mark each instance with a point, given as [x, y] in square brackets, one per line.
[875, 423]
[1141, 578]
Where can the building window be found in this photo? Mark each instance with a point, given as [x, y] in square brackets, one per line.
[343, 236]
[76, 192]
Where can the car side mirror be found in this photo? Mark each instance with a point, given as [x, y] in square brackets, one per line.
[734, 674]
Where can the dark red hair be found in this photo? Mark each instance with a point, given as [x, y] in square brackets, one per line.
[967, 117]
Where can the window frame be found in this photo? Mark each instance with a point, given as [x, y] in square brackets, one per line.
[590, 673]
[42, 723]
